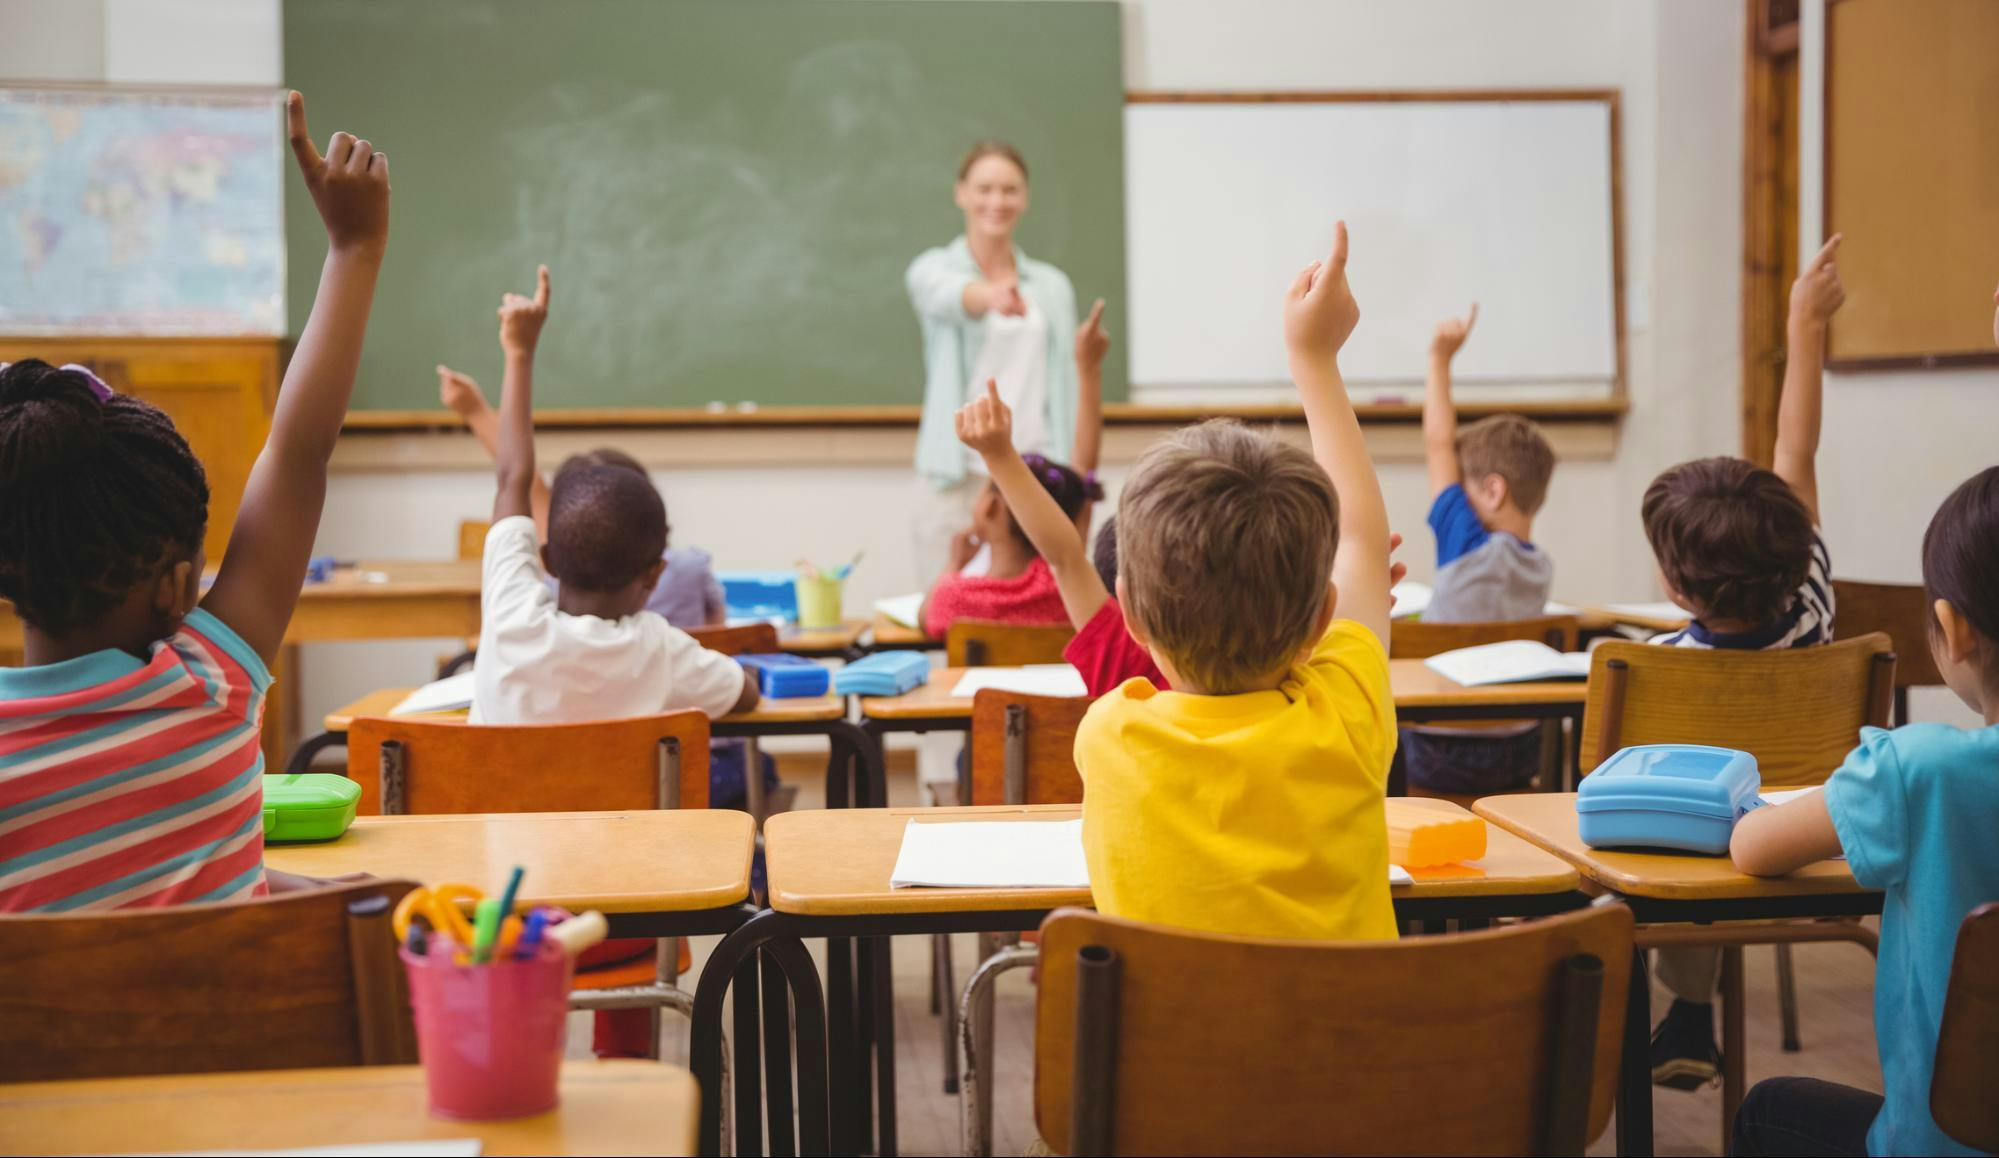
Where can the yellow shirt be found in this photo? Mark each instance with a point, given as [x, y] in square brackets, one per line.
[1257, 814]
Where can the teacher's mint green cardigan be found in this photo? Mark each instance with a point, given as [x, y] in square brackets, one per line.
[951, 341]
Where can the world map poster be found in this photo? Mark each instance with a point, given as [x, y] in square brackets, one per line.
[141, 212]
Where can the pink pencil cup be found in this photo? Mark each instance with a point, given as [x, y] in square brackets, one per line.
[490, 1036]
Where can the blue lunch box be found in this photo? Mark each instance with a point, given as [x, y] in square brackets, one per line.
[1672, 796]
[782, 677]
[758, 596]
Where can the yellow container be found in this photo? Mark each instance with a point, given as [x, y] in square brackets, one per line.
[819, 601]
[1422, 833]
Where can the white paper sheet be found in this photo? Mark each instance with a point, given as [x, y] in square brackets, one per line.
[1648, 610]
[1508, 662]
[1039, 679]
[903, 609]
[446, 695]
[976, 854]
[1786, 795]
[1411, 599]
[998, 854]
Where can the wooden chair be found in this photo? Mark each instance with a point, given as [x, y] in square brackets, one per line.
[1968, 1043]
[1022, 752]
[293, 981]
[1329, 1047]
[415, 766]
[982, 643]
[471, 548]
[746, 639]
[1415, 639]
[1902, 611]
[1799, 712]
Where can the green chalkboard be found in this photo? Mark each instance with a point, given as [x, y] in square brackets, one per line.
[726, 191]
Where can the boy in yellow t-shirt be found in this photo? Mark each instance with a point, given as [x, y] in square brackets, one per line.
[1248, 800]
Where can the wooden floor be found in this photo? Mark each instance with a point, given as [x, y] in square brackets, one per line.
[1835, 998]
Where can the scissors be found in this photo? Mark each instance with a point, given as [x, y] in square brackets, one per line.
[447, 908]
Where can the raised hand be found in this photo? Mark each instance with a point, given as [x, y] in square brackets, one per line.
[1451, 334]
[521, 318]
[349, 185]
[1007, 299]
[1817, 294]
[459, 392]
[1319, 309]
[985, 424]
[1091, 341]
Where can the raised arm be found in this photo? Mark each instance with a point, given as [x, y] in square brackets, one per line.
[264, 567]
[986, 426]
[1091, 346]
[464, 398]
[937, 291]
[1319, 314]
[1815, 297]
[520, 329]
[1440, 414]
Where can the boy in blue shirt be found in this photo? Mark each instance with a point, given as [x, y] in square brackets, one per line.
[1913, 811]
[1486, 482]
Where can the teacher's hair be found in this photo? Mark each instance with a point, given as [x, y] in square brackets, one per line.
[991, 147]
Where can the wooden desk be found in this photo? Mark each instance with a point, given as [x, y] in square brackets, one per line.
[639, 862]
[842, 642]
[888, 635]
[806, 709]
[1671, 888]
[1419, 692]
[829, 877]
[1626, 617]
[838, 863]
[608, 1107]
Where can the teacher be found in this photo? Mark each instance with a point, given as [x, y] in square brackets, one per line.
[987, 310]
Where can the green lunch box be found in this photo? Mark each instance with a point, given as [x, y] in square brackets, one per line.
[307, 807]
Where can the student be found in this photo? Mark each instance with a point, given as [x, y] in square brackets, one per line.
[1913, 812]
[1017, 586]
[1281, 721]
[130, 765]
[590, 651]
[1487, 482]
[1739, 548]
[688, 593]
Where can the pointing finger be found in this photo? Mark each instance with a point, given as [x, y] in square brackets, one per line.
[1096, 314]
[1824, 255]
[992, 391]
[309, 160]
[1337, 263]
[1471, 319]
[541, 286]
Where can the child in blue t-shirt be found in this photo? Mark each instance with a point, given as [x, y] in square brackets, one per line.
[1913, 810]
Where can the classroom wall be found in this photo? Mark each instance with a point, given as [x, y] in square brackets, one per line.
[1896, 442]
[1677, 62]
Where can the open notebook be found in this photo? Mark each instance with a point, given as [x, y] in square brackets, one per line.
[1001, 854]
[904, 609]
[1510, 662]
[452, 694]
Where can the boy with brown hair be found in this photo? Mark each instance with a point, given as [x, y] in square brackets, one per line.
[1739, 548]
[1248, 800]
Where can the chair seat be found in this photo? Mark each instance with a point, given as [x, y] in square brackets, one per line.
[640, 969]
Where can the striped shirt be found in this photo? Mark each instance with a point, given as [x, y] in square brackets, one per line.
[132, 784]
[1807, 622]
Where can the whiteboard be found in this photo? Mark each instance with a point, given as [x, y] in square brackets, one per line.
[1507, 203]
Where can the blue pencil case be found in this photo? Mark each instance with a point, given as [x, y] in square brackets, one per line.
[1672, 796]
[781, 677]
[755, 596]
[885, 673]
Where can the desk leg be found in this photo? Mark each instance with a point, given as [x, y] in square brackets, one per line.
[777, 1058]
[885, 1045]
[840, 1040]
[749, 1035]
[871, 768]
[1634, 1081]
[862, 1061]
[736, 959]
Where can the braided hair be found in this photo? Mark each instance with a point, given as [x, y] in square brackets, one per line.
[98, 493]
[1070, 490]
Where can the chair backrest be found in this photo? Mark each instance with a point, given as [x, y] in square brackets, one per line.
[747, 639]
[1798, 711]
[1205, 1044]
[1902, 610]
[292, 981]
[1961, 1098]
[983, 643]
[410, 765]
[472, 538]
[1024, 748]
[1415, 639]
